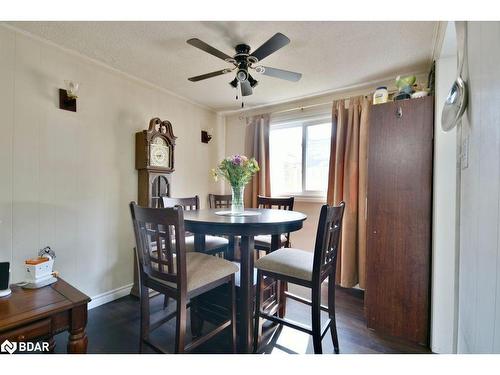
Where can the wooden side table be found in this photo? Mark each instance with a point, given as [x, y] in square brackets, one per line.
[37, 314]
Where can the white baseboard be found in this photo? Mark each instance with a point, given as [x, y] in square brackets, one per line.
[106, 297]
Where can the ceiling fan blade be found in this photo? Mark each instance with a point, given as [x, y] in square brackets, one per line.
[195, 42]
[209, 75]
[276, 42]
[283, 74]
[246, 89]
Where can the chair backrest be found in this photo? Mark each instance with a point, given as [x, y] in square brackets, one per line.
[282, 203]
[155, 229]
[220, 201]
[327, 241]
[190, 203]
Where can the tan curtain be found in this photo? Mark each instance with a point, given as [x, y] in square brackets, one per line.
[347, 182]
[257, 146]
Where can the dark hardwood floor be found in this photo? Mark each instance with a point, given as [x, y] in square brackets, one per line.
[114, 328]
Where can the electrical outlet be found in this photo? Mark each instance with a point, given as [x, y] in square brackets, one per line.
[464, 153]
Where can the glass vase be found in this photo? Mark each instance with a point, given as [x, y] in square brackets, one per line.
[237, 205]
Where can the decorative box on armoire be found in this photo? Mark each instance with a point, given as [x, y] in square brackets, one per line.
[399, 219]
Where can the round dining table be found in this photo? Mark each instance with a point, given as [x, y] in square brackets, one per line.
[259, 221]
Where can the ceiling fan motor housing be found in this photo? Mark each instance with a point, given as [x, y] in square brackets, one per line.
[242, 49]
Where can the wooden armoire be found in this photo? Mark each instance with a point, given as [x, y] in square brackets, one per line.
[399, 219]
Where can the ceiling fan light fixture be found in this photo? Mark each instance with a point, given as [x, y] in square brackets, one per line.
[260, 69]
[242, 75]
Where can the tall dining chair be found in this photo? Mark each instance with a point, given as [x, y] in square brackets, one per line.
[223, 201]
[166, 267]
[263, 242]
[274, 290]
[308, 270]
[220, 200]
[213, 244]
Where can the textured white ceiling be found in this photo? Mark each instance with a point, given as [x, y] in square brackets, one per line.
[330, 55]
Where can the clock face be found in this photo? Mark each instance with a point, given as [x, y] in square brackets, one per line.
[160, 153]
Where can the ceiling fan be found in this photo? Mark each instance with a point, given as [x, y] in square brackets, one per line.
[243, 61]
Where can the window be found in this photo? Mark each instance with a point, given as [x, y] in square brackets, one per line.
[300, 156]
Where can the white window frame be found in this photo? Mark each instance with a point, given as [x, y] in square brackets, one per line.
[304, 195]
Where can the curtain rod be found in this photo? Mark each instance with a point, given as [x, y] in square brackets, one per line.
[241, 117]
[303, 107]
[316, 105]
[313, 105]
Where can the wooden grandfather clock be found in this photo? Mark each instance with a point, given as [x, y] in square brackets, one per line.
[154, 159]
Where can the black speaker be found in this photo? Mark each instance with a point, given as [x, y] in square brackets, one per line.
[4, 279]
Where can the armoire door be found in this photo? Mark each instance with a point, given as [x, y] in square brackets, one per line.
[399, 218]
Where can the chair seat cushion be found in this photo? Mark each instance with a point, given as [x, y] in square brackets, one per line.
[211, 243]
[289, 262]
[265, 240]
[203, 269]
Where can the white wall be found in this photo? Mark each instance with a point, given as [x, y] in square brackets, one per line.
[445, 212]
[67, 178]
[479, 283]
